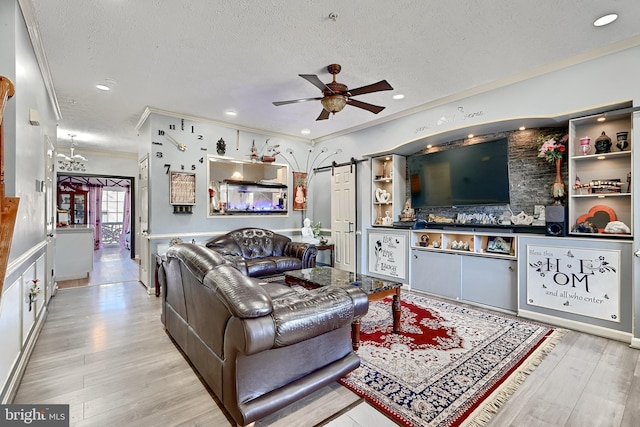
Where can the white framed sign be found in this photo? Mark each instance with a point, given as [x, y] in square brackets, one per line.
[575, 280]
[182, 188]
[387, 252]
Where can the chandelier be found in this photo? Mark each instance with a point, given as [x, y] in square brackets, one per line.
[73, 163]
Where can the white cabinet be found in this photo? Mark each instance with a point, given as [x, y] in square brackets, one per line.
[436, 273]
[475, 267]
[74, 252]
[388, 189]
[599, 181]
[490, 281]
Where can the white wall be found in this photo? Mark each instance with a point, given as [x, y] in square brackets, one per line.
[25, 156]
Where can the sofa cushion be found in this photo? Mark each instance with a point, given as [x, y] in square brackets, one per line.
[277, 290]
[261, 267]
[254, 242]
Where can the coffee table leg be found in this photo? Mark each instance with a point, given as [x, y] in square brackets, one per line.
[355, 335]
[396, 312]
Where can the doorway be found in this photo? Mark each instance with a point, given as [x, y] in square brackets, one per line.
[105, 203]
[343, 216]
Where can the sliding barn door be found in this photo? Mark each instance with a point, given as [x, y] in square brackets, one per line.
[343, 216]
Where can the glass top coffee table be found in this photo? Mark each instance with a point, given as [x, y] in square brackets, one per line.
[374, 288]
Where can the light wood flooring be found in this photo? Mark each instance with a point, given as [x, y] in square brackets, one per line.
[111, 264]
[103, 351]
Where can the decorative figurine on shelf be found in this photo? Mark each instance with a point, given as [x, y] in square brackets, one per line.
[212, 198]
[382, 196]
[387, 220]
[307, 233]
[408, 213]
[603, 144]
[254, 152]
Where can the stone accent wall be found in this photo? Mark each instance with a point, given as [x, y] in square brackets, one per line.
[530, 177]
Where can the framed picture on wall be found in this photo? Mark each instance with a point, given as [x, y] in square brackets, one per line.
[499, 244]
[182, 188]
[300, 191]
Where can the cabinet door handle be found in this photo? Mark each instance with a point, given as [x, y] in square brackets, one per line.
[511, 268]
[415, 256]
[637, 253]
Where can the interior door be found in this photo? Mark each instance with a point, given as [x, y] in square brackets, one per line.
[50, 218]
[143, 186]
[343, 216]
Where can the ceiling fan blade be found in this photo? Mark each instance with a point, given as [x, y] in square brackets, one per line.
[314, 80]
[294, 101]
[375, 109]
[375, 87]
[324, 115]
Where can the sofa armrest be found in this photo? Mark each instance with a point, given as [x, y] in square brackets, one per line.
[360, 301]
[305, 315]
[304, 251]
[242, 295]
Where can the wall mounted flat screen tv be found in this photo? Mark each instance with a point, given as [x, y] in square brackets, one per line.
[475, 174]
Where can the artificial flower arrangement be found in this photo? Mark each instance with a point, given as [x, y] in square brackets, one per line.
[552, 147]
[316, 229]
[34, 291]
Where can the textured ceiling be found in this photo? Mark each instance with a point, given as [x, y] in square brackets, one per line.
[203, 57]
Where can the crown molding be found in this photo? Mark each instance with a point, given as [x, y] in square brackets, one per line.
[152, 110]
[31, 22]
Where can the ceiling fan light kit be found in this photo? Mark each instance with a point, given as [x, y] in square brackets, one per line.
[335, 95]
[334, 103]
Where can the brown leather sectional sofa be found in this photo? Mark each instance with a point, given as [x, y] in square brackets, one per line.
[258, 252]
[259, 346]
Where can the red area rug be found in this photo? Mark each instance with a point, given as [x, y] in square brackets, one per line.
[451, 364]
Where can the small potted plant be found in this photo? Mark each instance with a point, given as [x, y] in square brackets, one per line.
[316, 229]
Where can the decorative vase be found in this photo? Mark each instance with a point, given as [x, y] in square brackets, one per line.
[585, 145]
[623, 142]
[558, 191]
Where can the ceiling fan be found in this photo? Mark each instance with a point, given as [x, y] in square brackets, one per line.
[337, 95]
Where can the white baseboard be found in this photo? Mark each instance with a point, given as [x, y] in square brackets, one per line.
[579, 326]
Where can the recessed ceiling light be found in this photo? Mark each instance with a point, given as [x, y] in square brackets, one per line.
[601, 119]
[398, 96]
[605, 20]
[430, 146]
[521, 128]
[305, 131]
[102, 87]
[230, 113]
[470, 135]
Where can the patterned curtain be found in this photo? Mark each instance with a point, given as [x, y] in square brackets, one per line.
[126, 220]
[95, 216]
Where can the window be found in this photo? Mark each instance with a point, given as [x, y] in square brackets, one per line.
[112, 214]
